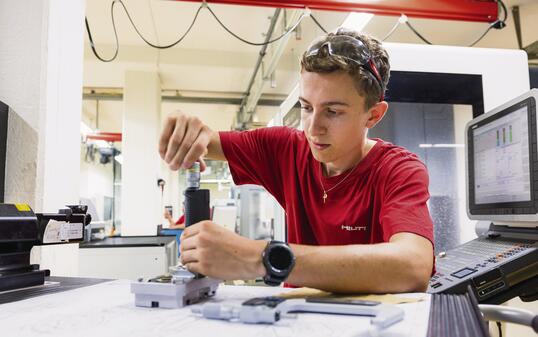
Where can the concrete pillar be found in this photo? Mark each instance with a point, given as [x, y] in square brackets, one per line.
[41, 59]
[141, 198]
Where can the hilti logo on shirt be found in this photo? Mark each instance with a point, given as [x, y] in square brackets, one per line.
[353, 228]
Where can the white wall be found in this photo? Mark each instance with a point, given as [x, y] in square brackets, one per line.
[505, 73]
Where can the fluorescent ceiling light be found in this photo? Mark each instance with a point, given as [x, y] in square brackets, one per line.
[356, 21]
[441, 145]
[215, 181]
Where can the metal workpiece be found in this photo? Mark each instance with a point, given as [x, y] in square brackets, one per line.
[226, 312]
[218, 311]
[179, 289]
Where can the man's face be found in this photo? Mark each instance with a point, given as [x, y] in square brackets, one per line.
[334, 117]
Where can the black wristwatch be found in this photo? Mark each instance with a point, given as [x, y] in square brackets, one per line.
[278, 260]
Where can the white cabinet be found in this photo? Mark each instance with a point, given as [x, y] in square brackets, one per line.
[121, 260]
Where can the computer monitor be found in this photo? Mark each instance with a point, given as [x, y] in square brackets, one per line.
[502, 164]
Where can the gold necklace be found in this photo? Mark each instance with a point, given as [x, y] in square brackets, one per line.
[332, 188]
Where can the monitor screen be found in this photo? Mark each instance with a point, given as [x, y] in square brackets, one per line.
[501, 159]
[501, 165]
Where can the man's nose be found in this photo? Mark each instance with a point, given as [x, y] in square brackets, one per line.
[317, 125]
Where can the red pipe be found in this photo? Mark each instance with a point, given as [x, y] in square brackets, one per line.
[463, 10]
[106, 136]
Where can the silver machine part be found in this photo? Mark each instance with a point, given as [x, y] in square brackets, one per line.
[192, 177]
[179, 289]
[383, 315]
[252, 222]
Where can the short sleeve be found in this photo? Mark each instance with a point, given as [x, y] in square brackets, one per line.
[405, 199]
[256, 156]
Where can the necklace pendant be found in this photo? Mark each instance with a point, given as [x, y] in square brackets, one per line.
[324, 196]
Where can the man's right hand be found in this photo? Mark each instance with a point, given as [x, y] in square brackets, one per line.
[184, 140]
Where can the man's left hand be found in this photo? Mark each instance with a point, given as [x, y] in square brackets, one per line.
[215, 251]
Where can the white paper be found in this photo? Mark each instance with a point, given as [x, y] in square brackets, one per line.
[61, 231]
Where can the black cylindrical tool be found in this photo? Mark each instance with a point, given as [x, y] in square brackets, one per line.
[196, 206]
[196, 200]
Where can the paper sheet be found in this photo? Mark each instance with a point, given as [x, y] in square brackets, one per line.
[383, 298]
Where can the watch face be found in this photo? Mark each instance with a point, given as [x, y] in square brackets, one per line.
[280, 258]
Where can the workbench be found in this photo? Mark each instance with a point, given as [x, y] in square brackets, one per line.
[107, 308]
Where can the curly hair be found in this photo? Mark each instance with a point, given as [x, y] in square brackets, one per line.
[365, 83]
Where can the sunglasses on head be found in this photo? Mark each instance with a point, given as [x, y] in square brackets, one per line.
[344, 45]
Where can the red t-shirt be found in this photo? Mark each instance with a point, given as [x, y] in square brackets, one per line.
[385, 194]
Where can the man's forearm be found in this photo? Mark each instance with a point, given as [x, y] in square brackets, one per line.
[378, 268]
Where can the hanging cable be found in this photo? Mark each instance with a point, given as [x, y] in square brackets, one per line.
[497, 24]
[481, 36]
[416, 32]
[92, 45]
[400, 20]
[152, 44]
[305, 14]
[318, 24]
[203, 5]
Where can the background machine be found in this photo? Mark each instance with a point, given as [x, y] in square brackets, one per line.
[502, 194]
[21, 229]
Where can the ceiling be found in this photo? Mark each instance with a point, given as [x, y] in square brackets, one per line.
[210, 62]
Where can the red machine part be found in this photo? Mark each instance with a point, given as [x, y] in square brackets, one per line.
[106, 136]
[464, 10]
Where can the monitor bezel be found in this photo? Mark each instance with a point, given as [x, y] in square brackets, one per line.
[4, 110]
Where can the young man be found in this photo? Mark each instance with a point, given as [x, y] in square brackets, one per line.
[355, 207]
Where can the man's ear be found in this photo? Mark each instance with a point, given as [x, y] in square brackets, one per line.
[376, 113]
